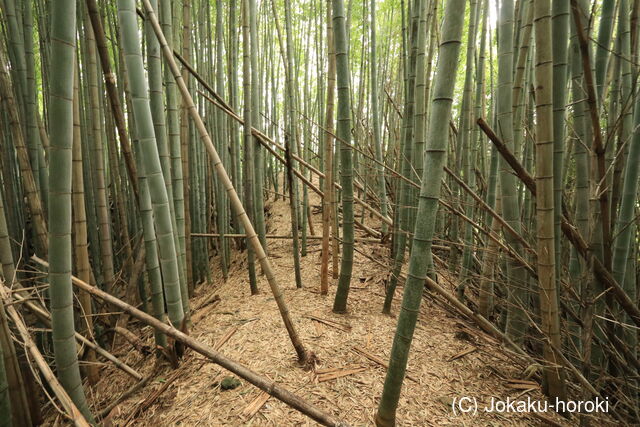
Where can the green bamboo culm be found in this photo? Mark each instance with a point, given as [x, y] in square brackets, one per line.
[377, 139]
[151, 160]
[434, 159]
[156, 102]
[560, 33]
[173, 130]
[63, 44]
[516, 292]
[403, 198]
[346, 168]
[624, 230]
[545, 230]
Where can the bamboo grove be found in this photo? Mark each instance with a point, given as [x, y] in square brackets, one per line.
[493, 155]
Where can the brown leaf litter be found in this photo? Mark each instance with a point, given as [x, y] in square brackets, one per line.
[353, 351]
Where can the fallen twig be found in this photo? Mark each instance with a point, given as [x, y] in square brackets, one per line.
[333, 373]
[332, 323]
[377, 360]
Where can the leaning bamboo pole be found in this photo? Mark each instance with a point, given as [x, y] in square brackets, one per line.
[304, 356]
[569, 229]
[47, 374]
[266, 141]
[259, 381]
[44, 316]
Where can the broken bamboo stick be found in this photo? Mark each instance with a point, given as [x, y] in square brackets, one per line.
[361, 351]
[45, 317]
[47, 374]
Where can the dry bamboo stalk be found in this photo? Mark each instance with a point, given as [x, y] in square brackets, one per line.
[44, 316]
[47, 374]
[377, 360]
[303, 355]
[259, 381]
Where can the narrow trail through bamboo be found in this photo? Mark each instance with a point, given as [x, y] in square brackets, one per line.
[304, 356]
[259, 381]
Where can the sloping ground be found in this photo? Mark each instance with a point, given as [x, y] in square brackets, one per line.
[450, 358]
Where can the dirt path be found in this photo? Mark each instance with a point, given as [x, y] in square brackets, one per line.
[449, 359]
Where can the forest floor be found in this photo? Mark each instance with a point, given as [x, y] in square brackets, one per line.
[450, 357]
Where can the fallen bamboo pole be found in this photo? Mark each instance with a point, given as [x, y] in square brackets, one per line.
[280, 237]
[259, 381]
[304, 356]
[275, 236]
[47, 374]
[570, 231]
[45, 317]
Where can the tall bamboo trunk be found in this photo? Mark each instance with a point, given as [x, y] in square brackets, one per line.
[346, 168]
[435, 158]
[516, 286]
[81, 250]
[63, 42]
[327, 200]
[151, 162]
[545, 230]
